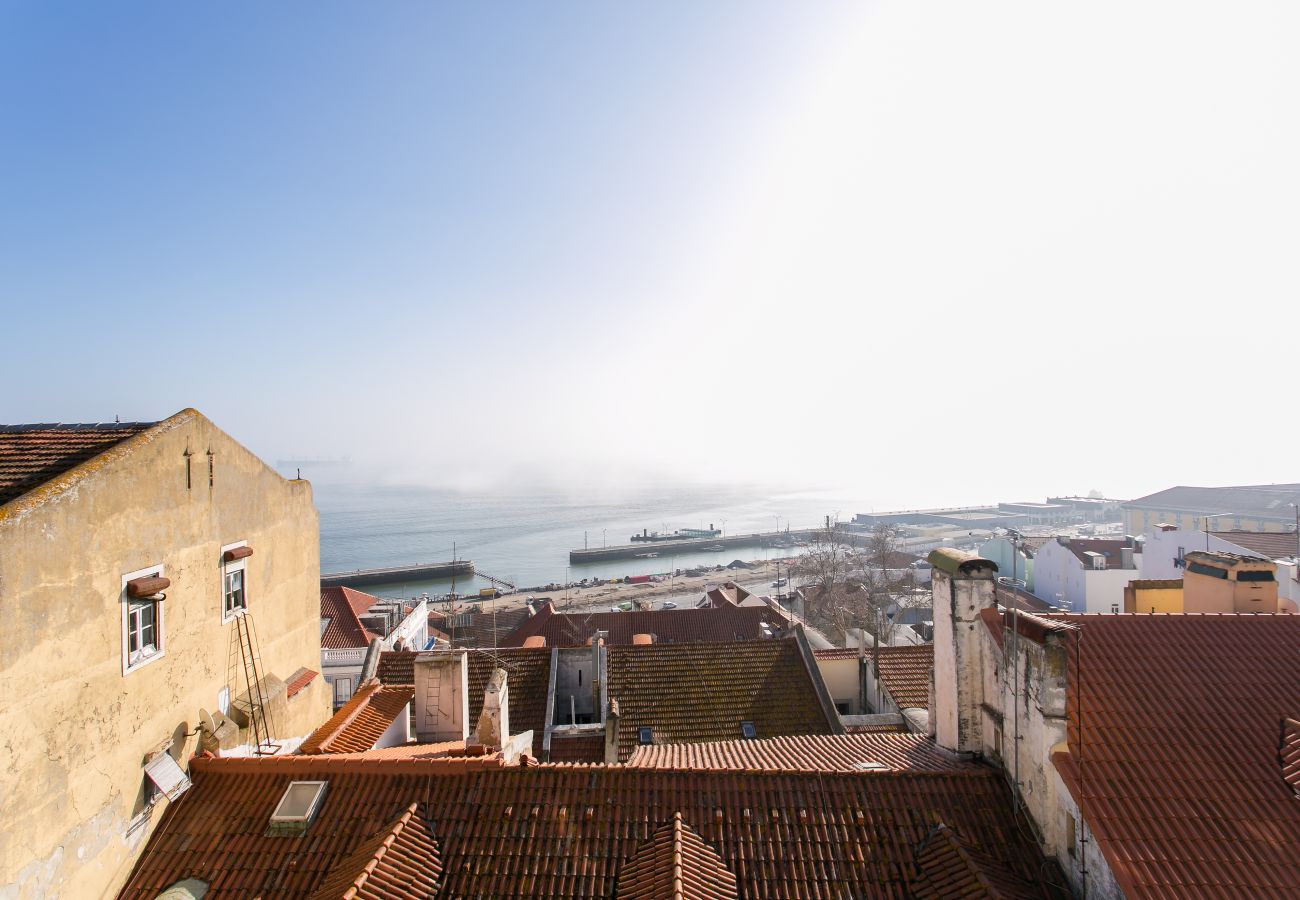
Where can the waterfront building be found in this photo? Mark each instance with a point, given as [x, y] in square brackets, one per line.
[1257, 507]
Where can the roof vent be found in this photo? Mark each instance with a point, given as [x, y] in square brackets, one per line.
[748, 731]
[297, 808]
[645, 735]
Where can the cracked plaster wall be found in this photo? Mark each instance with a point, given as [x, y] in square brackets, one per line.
[74, 730]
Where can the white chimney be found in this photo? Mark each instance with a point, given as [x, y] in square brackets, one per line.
[442, 696]
[494, 720]
[962, 585]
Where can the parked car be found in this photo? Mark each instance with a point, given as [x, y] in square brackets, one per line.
[668, 604]
[780, 582]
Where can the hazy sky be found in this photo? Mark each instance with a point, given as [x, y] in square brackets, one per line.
[938, 252]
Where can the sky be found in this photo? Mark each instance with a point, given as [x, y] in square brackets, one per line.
[931, 253]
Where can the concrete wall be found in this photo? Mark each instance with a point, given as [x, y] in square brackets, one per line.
[1001, 551]
[1140, 521]
[841, 677]
[1060, 578]
[1161, 549]
[75, 728]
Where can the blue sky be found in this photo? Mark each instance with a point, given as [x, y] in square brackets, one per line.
[464, 240]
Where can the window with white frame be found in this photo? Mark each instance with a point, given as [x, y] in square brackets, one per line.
[142, 622]
[234, 583]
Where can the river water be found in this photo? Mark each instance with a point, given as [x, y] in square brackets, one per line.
[525, 536]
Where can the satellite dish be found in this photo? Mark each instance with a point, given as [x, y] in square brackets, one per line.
[205, 721]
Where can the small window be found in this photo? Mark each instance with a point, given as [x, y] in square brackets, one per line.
[748, 731]
[1114, 609]
[235, 599]
[234, 580]
[142, 621]
[842, 707]
[297, 808]
[645, 735]
[1070, 837]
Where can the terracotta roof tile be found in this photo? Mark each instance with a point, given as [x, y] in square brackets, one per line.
[841, 653]
[890, 752]
[401, 861]
[361, 721]
[669, 626]
[299, 680]
[566, 832]
[876, 729]
[344, 630]
[1289, 754]
[952, 867]
[675, 864]
[702, 692]
[1269, 544]
[583, 748]
[479, 628]
[31, 455]
[1174, 750]
[905, 672]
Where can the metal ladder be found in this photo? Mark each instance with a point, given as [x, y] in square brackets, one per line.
[245, 659]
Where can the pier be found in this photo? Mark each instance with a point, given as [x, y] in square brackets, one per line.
[393, 574]
[690, 545]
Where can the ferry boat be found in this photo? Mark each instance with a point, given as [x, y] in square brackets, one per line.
[681, 534]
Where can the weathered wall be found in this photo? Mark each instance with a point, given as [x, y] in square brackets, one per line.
[841, 677]
[75, 729]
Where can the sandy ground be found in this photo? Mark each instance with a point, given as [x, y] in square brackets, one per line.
[679, 589]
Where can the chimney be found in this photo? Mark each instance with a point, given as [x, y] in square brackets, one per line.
[1126, 558]
[611, 732]
[642, 639]
[442, 696]
[494, 720]
[962, 585]
[597, 673]
[535, 640]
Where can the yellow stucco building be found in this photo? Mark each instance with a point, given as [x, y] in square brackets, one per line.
[128, 555]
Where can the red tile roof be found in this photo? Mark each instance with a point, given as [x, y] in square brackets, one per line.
[1268, 544]
[675, 864]
[1111, 550]
[905, 672]
[702, 692]
[566, 832]
[344, 630]
[890, 752]
[951, 867]
[840, 653]
[31, 455]
[484, 628]
[361, 721]
[1289, 754]
[300, 680]
[1174, 752]
[671, 626]
[528, 676]
[726, 594]
[400, 861]
[581, 748]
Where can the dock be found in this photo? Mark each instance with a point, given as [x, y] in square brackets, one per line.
[394, 574]
[690, 545]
